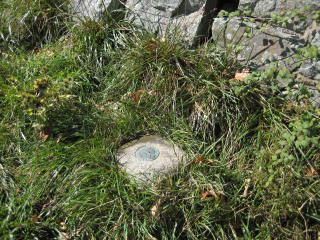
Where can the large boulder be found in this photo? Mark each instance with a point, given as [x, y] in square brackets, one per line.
[191, 18]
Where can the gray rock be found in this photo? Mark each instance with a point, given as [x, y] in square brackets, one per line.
[187, 27]
[316, 40]
[315, 100]
[191, 18]
[195, 27]
[169, 8]
[271, 44]
[311, 85]
[149, 157]
[94, 9]
[311, 69]
[150, 15]
[264, 8]
[260, 8]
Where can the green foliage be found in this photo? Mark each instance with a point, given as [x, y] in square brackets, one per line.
[316, 16]
[297, 146]
[309, 51]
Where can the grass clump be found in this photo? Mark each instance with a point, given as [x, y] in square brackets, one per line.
[67, 107]
[30, 23]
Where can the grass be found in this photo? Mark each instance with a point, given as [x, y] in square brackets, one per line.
[67, 105]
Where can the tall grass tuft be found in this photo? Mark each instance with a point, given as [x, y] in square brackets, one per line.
[31, 23]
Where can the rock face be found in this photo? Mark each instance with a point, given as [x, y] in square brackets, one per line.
[149, 157]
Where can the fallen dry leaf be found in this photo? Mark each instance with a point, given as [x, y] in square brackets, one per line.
[246, 187]
[155, 210]
[204, 195]
[44, 136]
[100, 108]
[198, 160]
[34, 218]
[311, 172]
[152, 93]
[151, 237]
[116, 226]
[59, 138]
[137, 94]
[240, 76]
[290, 105]
[49, 53]
[150, 44]
[211, 193]
[5, 55]
[227, 71]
